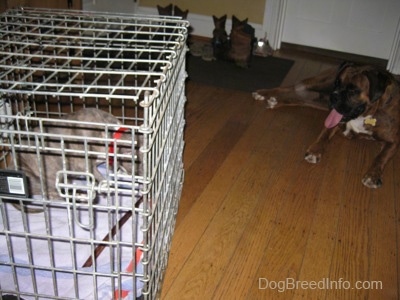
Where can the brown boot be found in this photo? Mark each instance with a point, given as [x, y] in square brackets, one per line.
[220, 42]
[241, 42]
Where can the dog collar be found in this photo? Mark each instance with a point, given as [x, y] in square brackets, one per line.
[116, 136]
[370, 121]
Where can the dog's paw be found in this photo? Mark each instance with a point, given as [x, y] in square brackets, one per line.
[371, 182]
[313, 158]
[272, 102]
[258, 96]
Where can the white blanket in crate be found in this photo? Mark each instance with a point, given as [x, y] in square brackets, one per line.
[63, 258]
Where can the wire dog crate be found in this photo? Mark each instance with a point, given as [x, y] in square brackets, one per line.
[91, 142]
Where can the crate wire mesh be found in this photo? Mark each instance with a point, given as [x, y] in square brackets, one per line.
[70, 174]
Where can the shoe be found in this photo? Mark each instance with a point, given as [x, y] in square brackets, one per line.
[208, 53]
[196, 49]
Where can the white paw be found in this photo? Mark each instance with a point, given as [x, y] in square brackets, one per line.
[312, 158]
[372, 184]
[272, 102]
[258, 97]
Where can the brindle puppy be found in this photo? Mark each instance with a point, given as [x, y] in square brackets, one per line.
[65, 154]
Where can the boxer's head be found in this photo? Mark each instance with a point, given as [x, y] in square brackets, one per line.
[355, 90]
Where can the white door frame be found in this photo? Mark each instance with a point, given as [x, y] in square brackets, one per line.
[394, 58]
[274, 19]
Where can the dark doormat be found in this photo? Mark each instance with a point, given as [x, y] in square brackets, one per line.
[264, 72]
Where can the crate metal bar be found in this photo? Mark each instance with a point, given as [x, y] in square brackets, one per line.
[54, 63]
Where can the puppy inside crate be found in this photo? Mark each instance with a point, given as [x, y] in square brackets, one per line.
[69, 159]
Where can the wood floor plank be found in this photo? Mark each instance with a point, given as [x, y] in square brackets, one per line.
[383, 273]
[207, 111]
[241, 272]
[396, 199]
[397, 211]
[322, 237]
[198, 173]
[294, 74]
[206, 264]
[196, 220]
[252, 207]
[217, 245]
[350, 259]
[383, 247]
[283, 255]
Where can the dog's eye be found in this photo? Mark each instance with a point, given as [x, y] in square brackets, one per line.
[353, 92]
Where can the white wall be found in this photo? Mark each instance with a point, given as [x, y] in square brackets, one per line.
[202, 25]
[117, 6]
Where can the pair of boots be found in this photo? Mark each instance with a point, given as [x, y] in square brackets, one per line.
[238, 47]
[172, 10]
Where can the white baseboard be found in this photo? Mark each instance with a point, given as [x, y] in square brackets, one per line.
[203, 25]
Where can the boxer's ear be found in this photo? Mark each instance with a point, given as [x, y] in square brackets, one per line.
[378, 82]
[344, 65]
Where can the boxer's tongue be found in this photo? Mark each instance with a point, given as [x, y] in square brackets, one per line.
[333, 119]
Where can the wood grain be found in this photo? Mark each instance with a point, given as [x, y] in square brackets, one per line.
[253, 208]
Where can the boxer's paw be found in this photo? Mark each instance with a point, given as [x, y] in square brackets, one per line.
[258, 96]
[372, 181]
[314, 153]
[313, 158]
[271, 101]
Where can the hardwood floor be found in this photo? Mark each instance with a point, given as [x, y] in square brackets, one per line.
[253, 210]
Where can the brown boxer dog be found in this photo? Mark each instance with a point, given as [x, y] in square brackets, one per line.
[364, 101]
